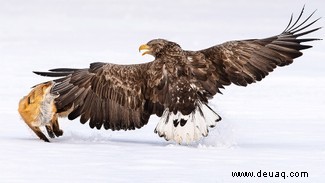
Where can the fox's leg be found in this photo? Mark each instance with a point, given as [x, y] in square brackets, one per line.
[55, 126]
[39, 133]
[49, 131]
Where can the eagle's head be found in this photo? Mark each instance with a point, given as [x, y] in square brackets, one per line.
[159, 47]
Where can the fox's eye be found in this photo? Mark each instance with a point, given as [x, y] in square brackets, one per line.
[29, 100]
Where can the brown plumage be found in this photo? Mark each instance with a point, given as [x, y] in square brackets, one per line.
[176, 86]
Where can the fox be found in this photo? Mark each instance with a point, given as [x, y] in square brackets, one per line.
[38, 109]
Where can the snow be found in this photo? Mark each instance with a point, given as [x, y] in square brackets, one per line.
[276, 125]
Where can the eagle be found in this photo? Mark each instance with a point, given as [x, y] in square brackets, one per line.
[176, 86]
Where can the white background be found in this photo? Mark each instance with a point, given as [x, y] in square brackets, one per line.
[275, 125]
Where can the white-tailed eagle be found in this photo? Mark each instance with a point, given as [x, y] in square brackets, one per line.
[175, 86]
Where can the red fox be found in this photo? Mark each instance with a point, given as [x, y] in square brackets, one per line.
[38, 109]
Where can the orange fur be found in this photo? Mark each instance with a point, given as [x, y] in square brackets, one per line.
[38, 109]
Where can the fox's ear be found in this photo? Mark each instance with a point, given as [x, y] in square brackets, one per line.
[46, 86]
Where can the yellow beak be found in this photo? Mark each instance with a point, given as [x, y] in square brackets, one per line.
[145, 49]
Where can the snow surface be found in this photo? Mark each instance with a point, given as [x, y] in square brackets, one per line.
[275, 125]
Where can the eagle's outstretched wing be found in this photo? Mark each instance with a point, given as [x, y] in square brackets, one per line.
[247, 61]
[107, 95]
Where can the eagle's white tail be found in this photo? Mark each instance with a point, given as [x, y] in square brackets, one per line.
[187, 128]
